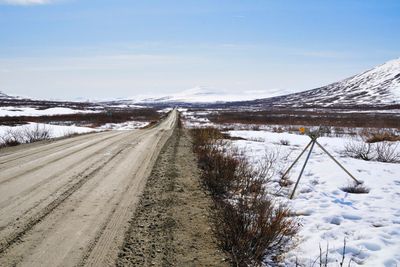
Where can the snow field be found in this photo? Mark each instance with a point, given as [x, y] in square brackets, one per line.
[370, 223]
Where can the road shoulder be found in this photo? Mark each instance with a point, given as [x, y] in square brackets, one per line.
[171, 226]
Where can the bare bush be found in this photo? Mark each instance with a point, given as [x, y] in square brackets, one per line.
[387, 152]
[358, 149]
[10, 138]
[384, 151]
[253, 228]
[17, 136]
[37, 133]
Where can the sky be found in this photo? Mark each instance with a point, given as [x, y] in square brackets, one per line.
[102, 49]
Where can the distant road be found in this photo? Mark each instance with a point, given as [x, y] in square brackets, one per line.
[68, 202]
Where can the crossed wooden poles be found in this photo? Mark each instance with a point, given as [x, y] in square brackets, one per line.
[314, 137]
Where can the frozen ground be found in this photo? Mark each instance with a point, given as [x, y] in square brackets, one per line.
[29, 111]
[370, 223]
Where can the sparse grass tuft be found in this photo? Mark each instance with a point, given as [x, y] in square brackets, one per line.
[355, 188]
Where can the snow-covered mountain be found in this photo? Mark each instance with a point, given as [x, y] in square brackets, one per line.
[202, 94]
[379, 86]
[4, 96]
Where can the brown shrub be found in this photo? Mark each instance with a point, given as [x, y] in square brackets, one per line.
[248, 224]
[253, 228]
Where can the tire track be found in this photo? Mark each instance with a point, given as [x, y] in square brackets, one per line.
[25, 225]
[7, 207]
[46, 147]
[56, 159]
[99, 253]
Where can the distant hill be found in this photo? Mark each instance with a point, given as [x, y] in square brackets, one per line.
[3, 96]
[202, 94]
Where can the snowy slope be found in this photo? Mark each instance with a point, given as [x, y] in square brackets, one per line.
[379, 86]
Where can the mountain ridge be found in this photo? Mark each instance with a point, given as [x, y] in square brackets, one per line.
[379, 86]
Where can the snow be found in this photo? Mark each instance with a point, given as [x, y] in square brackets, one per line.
[29, 111]
[369, 222]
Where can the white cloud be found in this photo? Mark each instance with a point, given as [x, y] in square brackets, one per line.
[26, 2]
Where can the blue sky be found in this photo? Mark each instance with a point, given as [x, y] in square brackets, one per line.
[124, 48]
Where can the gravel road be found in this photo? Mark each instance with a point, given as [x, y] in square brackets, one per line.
[68, 202]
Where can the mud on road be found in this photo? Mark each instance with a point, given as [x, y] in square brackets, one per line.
[68, 202]
[171, 226]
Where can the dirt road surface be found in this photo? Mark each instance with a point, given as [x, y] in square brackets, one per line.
[172, 225]
[68, 203]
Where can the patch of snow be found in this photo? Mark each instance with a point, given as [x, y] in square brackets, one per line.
[130, 125]
[28, 111]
